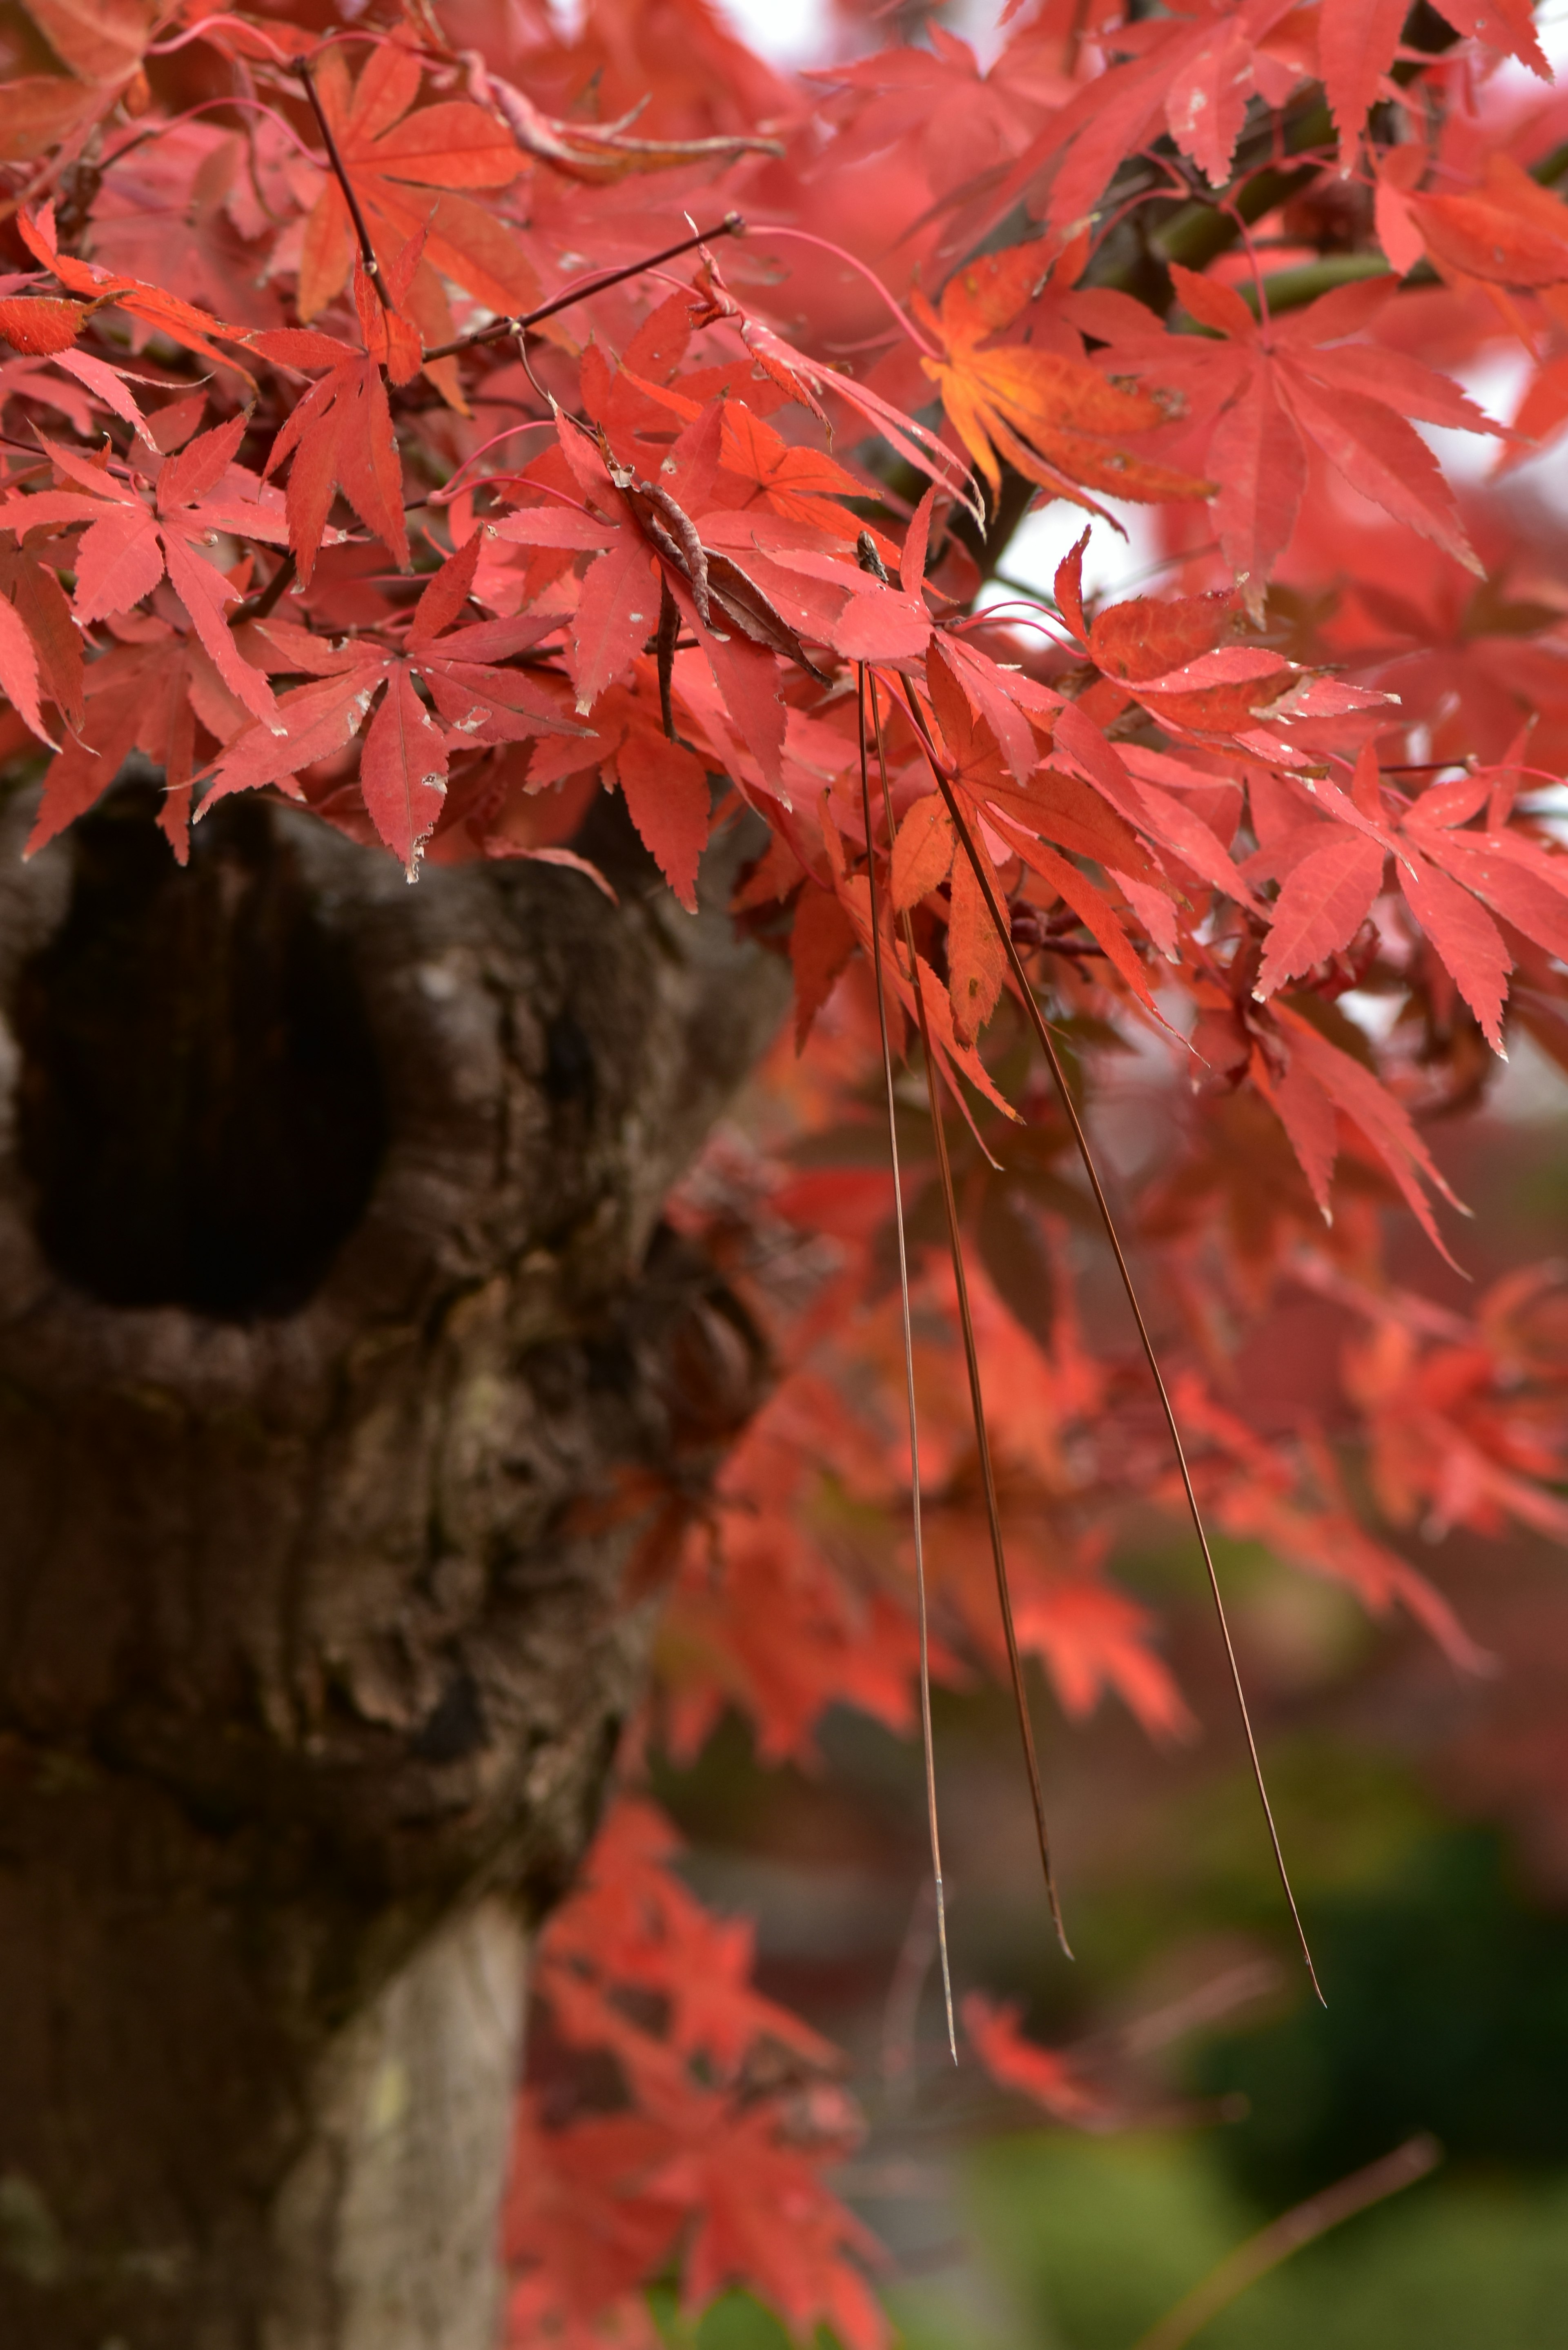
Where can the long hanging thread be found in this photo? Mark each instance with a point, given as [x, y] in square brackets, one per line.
[925, 1733]
[976, 1394]
[1003, 927]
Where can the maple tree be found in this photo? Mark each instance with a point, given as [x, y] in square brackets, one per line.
[422, 421]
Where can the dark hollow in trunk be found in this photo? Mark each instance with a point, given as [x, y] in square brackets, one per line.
[332, 1279]
[201, 1107]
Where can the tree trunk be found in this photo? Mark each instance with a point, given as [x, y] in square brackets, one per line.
[332, 1284]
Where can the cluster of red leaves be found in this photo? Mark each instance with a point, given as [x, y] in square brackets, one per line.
[285, 505]
[707, 2144]
[677, 2122]
[793, 1590]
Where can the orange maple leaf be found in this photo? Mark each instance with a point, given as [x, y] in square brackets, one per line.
[1055, 420]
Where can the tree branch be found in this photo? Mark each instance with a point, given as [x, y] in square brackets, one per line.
[367, 250]
[499, 329]
[266, 599]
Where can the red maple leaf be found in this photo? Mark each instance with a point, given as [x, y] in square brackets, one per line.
[408, 167]
[1269, 393]
[130, 542]
[408, 746]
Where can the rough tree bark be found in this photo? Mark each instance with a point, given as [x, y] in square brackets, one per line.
[331, 1278]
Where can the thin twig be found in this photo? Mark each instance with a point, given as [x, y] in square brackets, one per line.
[69, 153]
[1287, 2234]
[665, 642]
[982, 1441]
[927, 1736]
[266, 599]
[987, 882]
[499, 330]
[340, 172]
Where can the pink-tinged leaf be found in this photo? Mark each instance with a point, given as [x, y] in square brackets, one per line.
[806, 378]
[1097, 916]
[1466, 937]
[1230, 665]
[916, 539]
[747, 677]
[301, 347]
[206, 595]
[617, 611]
[120, 561]
[78, 467]
[1180, 828]
[1402, 242]
[1083, 747]
[1355, 45]
[321, 718]
[1257, 458]
[1325, 697]
[52, 507]
[370, 469]
[1214, 305]
[220, 711]
[1384, 458]
[1207, 105]
[1518, 892]
[177, 752]
[170, 427]
[1070, 589]
[1385, 1123]
[340, 437]
[885, 628]
[667, 794]
[19, 672]
[174, 818]
[44, 612]
[443, 600]
[276, 644]
[489, 705]
[497, 641]
[1312, 1126]
[188, 477]
[1443, 805]
[1400, 382]
[91, 760]
[1320, 909]
[1506, 25]
[402, 770]
[553, 525]
[109, 385]
[1005, 698]
[1118, 115]
[1154, 910]
[1324, 794]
